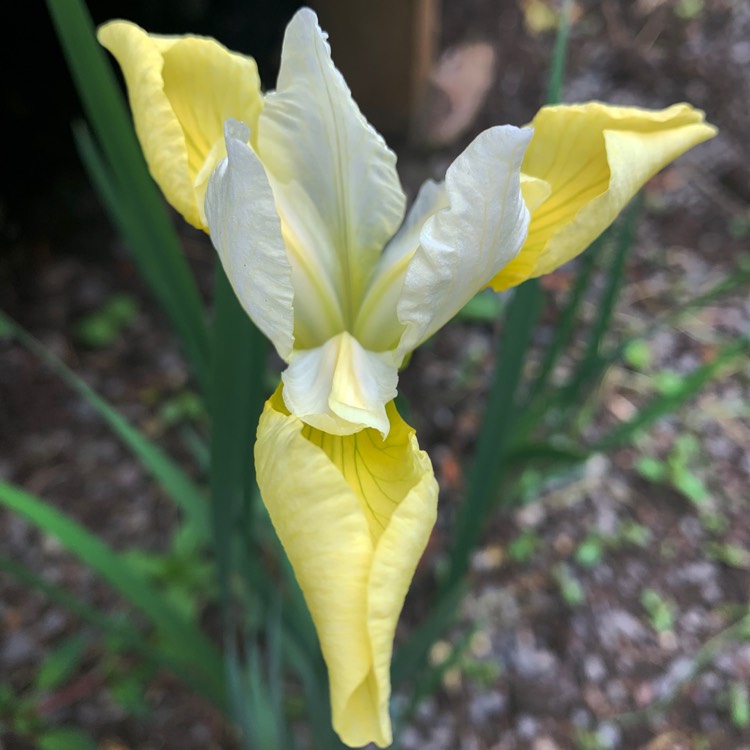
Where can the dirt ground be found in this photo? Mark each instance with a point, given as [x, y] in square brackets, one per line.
[603, 613]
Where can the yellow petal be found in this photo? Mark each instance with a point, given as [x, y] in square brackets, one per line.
[594, 158]
[181, 91]
[354, 514]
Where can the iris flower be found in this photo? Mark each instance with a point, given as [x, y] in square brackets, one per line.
[302, 201]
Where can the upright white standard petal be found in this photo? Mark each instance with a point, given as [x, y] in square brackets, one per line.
[332, 174]
[246, 231]
[463, 246]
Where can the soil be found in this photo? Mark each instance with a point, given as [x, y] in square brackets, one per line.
[603, 612]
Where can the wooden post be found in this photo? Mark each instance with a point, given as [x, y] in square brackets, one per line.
[385, 50]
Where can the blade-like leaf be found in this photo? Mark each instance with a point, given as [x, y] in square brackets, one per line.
[172, 479]
[664, 404]
[184, 638]
[120, 171]
[521, 316]
[117, 629]
[559, 54]
[566, 325]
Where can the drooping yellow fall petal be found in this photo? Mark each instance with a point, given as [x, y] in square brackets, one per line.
[594, 158]
[181, 90]
[354, 514]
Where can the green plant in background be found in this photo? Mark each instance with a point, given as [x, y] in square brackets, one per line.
[101, 328]
[739, 705]
[679, 470]
[268, 635]
[661, 612]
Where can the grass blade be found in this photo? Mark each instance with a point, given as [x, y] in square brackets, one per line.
[567, 323]
[235, 403]
[183, 639]
[148, 228]
[559, 54]
[521, 316]
[117, 629]
[124, 215]
[171, 478]
[664, 404]
[608, 301]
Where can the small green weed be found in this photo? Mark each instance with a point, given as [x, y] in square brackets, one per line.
[570, 587]
[523, 547]
[101, 328]
[739, 705]
[660, 611]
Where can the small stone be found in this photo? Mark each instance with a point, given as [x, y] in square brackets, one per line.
[544, 743]
[18, 649]
[617, 692]
[527, 726]
[609, 735]
[580, 718]
[485, 707]
[594, 668]
[668, 640]
[530, 516]
[690, 527]
[427, 710]
[531, 661]
[617, 625]
[481, 644]
[411, 739]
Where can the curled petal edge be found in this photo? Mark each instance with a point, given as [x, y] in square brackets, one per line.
[592, 158]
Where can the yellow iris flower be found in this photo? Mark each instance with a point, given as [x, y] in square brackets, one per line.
[304, 206]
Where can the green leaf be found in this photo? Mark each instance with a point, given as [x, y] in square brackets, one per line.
[65, 739]
[590, 551]
[638, 355]
[101, 328]
[570, 587]
[61, 663]
[171, 477]
[186, 642]
[590, 366]
[739, 705]
[668, 382]
[121, 176]
[666, 404]
[117, 630]
[521, 315]
[688, 9]
[568, 321]
[523, 547]
[129, 692]
[652, 469]
[557, 71]
[482, 308]
[660, 611]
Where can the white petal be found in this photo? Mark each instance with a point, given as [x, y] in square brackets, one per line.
[340, 387]
[377, 325]
[320, 152]
[463, 246]
[246, 231]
